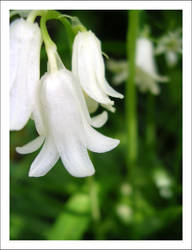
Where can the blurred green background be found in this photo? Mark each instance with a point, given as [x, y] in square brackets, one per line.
[59, 206]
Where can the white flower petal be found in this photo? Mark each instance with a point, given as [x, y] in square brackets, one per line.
[88, 79]
[25, 43]
[31, 146]
[120, 77]
[99, 120]
[33, 70]
[20, 108]
[68, 125]
[171, 58]
[75, 158]
[160, 78]
[96, 142]
[98, 65]
[77, 91]
[37, 112]
[92, 105]
[81, 100]
[109, 107]
[146, 72]
[13, 53]
[84, 108]
[88, 66]
[110, 91]
[45, 160]
[145, 55]
[155, 89]
[65, 123]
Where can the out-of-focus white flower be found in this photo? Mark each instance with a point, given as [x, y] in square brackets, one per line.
[146, 76]
[170, 45]
[146, 71]
[164, 182]
[124, 212]
[120, 70]
[25, 44]
[88, 67]
[63, 123]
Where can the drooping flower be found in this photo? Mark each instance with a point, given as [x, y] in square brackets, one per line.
[25, 44]
[171, 45]
[64, 125]
[88, 67]
[146, 76]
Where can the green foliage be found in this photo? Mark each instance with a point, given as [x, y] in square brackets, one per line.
[73, 220]
[58, 206]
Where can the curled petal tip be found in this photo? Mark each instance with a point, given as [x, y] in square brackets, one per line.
[121, 96]
[99, 120]
[31, 146]
[114, 144]
[17, 149]
[109, 107]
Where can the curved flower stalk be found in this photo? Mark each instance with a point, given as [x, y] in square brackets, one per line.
[88, 67]
[64, 125]
[25, 44]
[146, 76]
[170, 45]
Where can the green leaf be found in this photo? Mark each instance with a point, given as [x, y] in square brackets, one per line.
[73, 221]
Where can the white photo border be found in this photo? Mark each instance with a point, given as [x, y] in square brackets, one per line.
[185, 6]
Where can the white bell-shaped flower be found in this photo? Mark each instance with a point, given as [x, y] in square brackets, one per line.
[88, 67]
[146, 75]
[25, 44]
[63, 122]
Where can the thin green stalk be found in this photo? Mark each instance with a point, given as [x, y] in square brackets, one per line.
[52, 14]
[131, 98]
[150, 123]
[49, 44]
[95, 207]
[71, 29]
[131, 104]
[33, 14]
[94, 200]
[46, 38]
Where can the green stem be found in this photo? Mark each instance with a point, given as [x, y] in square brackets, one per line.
[33, 14]
[49, 44]
[94, 199]
[69, 30]
[46, 38]
[95, 206]
[150, 123]
[131, 98]
[131, 104]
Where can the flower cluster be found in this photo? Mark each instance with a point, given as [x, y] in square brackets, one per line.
[61, 101]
